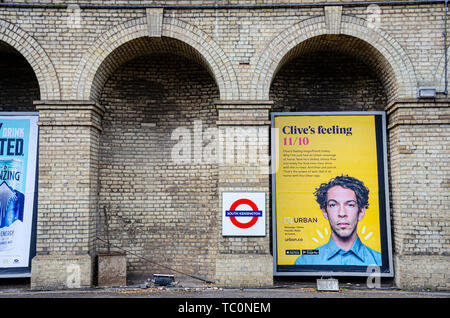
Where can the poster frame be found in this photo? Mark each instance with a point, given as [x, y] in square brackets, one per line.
[390, 267]
[25, 272]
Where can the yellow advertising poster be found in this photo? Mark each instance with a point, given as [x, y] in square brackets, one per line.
[327, 192]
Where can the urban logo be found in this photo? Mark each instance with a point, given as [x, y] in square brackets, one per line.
[291, 220]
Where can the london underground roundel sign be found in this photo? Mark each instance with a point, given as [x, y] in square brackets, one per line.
[243, 214]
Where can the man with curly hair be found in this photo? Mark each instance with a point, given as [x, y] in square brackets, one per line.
[343, 201]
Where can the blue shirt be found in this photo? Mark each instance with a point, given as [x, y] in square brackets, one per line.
[331, 254]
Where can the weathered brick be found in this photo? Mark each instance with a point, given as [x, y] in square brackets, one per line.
[234, 67]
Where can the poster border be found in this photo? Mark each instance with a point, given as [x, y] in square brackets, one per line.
[390, 267]
[25, 272]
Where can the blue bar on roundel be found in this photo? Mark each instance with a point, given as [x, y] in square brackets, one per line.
[243, 213]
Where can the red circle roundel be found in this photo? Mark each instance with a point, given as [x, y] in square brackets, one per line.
[236, 222]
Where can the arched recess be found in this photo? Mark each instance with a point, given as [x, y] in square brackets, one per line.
[376, 47]
[36, 56]
[331, 73]
[178, 37]
[152, 88]
[18, 92]
[154, 172]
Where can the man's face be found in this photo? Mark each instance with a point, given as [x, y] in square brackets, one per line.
[342, 211]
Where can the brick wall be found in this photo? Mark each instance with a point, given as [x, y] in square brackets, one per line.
[249, 44]
[246, 58]
[162, 210]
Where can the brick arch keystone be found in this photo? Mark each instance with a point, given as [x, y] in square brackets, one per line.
[36, 56]
[208, 51]
[389, 50]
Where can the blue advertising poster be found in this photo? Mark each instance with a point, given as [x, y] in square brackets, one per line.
[18, 159]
